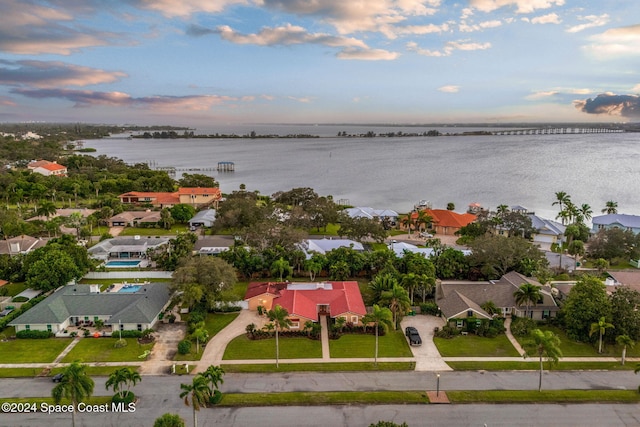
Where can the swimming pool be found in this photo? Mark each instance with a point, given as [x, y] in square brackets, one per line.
[133, 263]
[129, 289]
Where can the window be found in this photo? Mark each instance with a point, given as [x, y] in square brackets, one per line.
[49, 328]
[459, 324]
[86, 318]
[354, 320]
[294, 325]
[469, 313]
[27, 327]
[139, 327]
[96, 318]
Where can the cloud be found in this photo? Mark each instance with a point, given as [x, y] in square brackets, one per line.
[591, 22]
[353, 16]
[522, 6]
[7, 102]
[185, 8]
[448, 48]
[39, 29]
[611, 104]
[449, 89]
[44, 74]
[303, 99]
[367, 54]
[286, 35]
[87, 98]
[616, 42]
[551, 18]
[468, 28]
[557, 92]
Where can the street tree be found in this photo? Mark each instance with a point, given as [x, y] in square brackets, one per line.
[196, 395]
[527, 295]
[546, 345]
[280, 318]
[624, 341]
[121, 380]
[600, 327]
[381, 317]
[75, 386]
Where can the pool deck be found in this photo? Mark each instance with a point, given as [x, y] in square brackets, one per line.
[117, 287]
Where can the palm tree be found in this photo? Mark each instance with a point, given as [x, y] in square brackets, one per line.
[408, 221]
[121, 381]
[397, 299]
[46, 209]
[196, 395]
[600, 326]
[610, 208]
[562, 199]
[381, 283]
[585, 211]
[410, 282]
[423, 218]
[280, 318]
[380, 317]
[75, 385]
[545, 344]
[527, 294]
[201, 335]
[625, 341]
[214, 375]
[166, 219]
[281, 268]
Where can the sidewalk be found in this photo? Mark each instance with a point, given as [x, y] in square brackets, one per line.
[512, 339]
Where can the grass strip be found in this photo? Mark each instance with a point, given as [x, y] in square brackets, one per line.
[533, 366]
[544, 396]
[324, 398]
[320, 367]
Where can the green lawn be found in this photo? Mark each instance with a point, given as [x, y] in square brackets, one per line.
[393, 344]
[548, 396]
[141, 231]
[324, 398]
[242, 348]
[14, 289]
[103, 350]
[568, 347]
[32, 350]
[215, 322]
[533, 365]
[331, 230]
[474, 346]
[321, 367]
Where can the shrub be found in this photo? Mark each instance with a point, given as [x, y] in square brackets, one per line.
[128, 398]
[227, 308]
[215, 398]
[20, 299]
[521, 326]
[34, 334]
[127, 334]
[430, 308]
[447, 332]
[184, 347]
[169, 420]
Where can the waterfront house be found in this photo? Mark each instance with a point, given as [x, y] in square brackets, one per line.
[446, 222]
[81, 305]
[547, 232]
[194, 196]
[384, 215]
[621, 221]
[47, 168]
[309, 301]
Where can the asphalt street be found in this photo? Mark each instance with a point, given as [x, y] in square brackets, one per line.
[159, 394]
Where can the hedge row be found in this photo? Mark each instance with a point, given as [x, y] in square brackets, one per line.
[34, 334]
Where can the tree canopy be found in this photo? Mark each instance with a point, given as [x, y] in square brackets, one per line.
[586, 304]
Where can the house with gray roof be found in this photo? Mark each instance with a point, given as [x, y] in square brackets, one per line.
[380, 214]
[547, 232]
[459, 300]
[203, 218]
[134, 307]
[621, 221]
[20, 245]
[126, 247]
[322, 246]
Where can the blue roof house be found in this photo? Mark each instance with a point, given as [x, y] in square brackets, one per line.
[621, 221]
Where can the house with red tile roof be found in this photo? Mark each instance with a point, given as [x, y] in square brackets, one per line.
[47, 168]
[308, 301]
[196, 196]
[447, 222]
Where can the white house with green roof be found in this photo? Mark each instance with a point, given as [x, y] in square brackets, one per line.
[134, 307]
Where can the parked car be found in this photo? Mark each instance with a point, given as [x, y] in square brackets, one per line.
[57, 377]
[426, 235]
[413, 336]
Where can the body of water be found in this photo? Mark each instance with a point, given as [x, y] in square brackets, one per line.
[396, 173]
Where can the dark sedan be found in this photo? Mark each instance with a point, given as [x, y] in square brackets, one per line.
[413, 336]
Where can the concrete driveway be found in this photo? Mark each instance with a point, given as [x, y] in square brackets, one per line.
[427, 356]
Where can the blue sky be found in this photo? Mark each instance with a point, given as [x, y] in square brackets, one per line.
[208, 62]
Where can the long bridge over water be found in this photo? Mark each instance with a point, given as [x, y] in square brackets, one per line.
[557, 131]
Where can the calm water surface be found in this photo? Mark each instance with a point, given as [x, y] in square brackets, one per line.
[397, 172]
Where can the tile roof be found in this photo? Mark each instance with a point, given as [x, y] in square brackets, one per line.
[54, 167]
[445, 218]
[198, 191]
[342, 297]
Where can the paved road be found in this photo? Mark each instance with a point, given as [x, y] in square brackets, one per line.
[584, 415]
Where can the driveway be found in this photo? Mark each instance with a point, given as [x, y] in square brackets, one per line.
[427, 356]
[168, 335]
[214, 350]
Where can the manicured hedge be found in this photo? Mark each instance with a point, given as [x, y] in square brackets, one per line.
[126, 334]
[34, 334]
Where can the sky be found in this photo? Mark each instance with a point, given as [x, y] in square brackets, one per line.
[208, 62]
